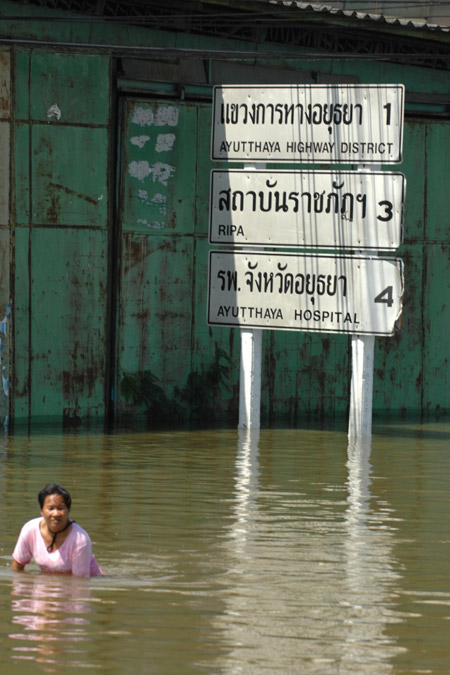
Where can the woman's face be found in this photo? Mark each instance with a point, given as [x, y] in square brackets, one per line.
[55, 512]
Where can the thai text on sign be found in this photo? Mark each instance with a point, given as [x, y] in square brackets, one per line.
[308, 123]
[307, 209]
[319, 293]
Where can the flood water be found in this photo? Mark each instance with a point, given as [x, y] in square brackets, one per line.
[224, 553]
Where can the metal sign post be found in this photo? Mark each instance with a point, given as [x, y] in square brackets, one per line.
[250, 368]
[361, 386]
[250, 379]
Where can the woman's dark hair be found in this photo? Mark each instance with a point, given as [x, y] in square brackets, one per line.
[54, 489]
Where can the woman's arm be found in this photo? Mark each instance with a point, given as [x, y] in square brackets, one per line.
[24, 548]
[82, 554]
[17, 567]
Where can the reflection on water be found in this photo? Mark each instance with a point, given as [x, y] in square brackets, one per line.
[230, 552]
[370, 569]
[291, 560]
[49, 614]
[246, 486]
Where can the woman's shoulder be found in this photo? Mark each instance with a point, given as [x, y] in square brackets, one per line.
[30, 528]
[79, 532]
[32, 524]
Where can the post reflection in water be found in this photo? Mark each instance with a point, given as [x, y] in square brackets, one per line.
[50, 615]
[313, 574]
[370, 574]
[246, 485]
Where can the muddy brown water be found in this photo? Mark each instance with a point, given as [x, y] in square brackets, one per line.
[225, 553]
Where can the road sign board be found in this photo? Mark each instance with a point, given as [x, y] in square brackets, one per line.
[319, 293]
[307, 209]
[308, 123]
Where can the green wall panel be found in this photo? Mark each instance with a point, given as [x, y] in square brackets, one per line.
[155, 317]
[21, 203]
[5, 292]
[4, 172]
[304, 376]
[207, 340]
[68, 305]
[438, 181]
[162, 322]
[66, 80]
[5, 325]
[436, 326]
[21, 311]
[22, 84]
[159, 167]
[69, 175]
[398, 361]
[5, 200]
[5, 84]
[204, 167]
[413, 166]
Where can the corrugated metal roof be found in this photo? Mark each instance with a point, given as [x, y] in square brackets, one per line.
[362, 15]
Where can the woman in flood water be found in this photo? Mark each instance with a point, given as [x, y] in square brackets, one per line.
[57, 544]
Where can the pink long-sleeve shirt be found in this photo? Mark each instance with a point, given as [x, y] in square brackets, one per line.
[73, 556]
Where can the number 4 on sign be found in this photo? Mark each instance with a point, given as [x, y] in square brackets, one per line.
[386, 296]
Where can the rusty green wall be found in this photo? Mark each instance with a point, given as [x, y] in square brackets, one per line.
[5, 196]
[60, 219]
[85, 279]
[412, 369]
[163, 212]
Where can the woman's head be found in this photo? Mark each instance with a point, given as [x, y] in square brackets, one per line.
[54, 489]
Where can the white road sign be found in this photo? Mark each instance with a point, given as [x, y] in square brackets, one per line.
[307, 209]
[320, 293]
[308, 123]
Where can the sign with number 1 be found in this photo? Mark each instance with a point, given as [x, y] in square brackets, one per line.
[350, 124]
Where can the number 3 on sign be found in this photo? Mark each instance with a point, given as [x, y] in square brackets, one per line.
[386, 296]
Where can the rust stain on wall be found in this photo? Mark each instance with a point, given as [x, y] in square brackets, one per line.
[4, 84]
[74, 193]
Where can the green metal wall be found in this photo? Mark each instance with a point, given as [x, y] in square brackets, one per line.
[5, 155]
[162, 327]
[60, 234]
[104, 253]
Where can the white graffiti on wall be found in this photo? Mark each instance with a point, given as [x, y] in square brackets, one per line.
[164, 142]
[166, 115]
[162, 172]
[152, 224]
[142, 116]
[140, 141]
[54, 112]
[139, 170]
[157, 199]
[159, 172]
